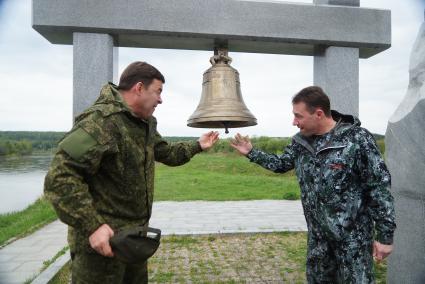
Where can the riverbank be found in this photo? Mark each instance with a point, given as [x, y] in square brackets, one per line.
[16, 225]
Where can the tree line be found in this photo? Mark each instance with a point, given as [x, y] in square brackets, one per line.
[275, 144]
[25, 142]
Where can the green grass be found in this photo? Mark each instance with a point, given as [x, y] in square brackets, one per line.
[63, 276]
[19, 224]
[229, 258]
[380, 269]
[219, 177]
[47, 263]
[206, 177]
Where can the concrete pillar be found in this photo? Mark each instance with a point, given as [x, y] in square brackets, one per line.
[404, 142]
[95, 63]
[336, 70]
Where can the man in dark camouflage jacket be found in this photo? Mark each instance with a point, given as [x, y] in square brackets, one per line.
[344, 189]
[102, 177]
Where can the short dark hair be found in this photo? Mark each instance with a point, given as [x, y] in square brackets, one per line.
[313, 97]
[139, 71]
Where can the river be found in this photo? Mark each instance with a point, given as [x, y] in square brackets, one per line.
[21, 180]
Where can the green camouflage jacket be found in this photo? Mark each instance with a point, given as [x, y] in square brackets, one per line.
[343, 178]
[103, 171]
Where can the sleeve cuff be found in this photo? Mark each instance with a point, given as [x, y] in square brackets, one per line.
[91, 224]
[252, 154]
[385, 239]
[195, 147]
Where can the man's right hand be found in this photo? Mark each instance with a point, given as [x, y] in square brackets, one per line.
[381, 251]
[242, 144]
[99, 240]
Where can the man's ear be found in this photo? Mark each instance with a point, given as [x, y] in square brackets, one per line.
[138, 87]
[320, 113]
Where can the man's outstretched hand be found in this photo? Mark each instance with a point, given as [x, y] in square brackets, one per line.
[207, 140]
[242, 144]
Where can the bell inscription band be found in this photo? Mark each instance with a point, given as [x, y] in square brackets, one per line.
[221, 104]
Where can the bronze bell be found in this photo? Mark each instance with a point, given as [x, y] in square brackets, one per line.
[221, 104]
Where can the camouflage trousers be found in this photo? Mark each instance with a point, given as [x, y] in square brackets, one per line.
[91, 268]
[346, 261]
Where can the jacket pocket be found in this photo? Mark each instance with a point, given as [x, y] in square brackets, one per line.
[335, 179]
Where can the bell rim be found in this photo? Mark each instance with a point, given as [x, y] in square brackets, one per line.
[219, 122]
[216, 125]
[223, 118]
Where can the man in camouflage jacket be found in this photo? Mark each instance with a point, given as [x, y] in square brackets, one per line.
[101, 179]
[344, 189]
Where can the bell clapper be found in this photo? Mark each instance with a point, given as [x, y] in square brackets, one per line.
[225, 123]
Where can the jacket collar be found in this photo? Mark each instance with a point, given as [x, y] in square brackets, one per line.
[345, 124]
[110, 102]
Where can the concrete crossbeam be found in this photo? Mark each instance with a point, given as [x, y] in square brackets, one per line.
[355, 3]
[247, 26]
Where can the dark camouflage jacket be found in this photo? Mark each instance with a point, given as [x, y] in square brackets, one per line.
[343, 178]
[103, 171]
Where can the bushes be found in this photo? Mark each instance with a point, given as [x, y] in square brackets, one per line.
[15, 147]
[267, 144]
[270, 144]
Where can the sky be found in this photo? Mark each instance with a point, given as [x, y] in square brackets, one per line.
[36, 77]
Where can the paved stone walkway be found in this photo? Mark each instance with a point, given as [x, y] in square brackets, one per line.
[23, 259]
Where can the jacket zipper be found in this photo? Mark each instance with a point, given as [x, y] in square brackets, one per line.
[145, 168]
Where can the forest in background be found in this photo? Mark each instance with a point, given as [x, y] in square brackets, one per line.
[26, 142]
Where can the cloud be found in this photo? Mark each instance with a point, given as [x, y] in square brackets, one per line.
[36, 77]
